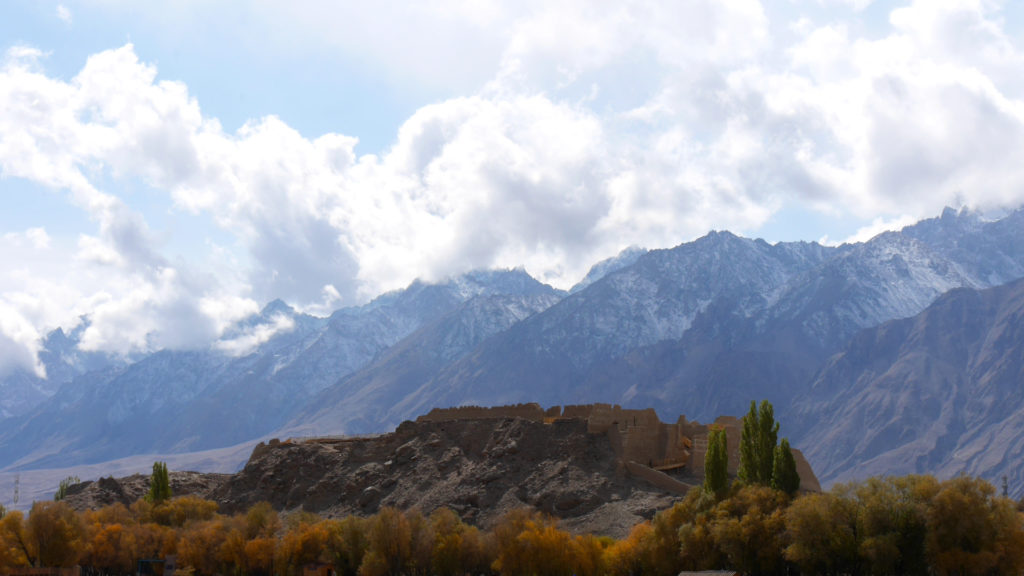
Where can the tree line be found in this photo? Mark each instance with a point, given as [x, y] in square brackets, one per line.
[913, 525]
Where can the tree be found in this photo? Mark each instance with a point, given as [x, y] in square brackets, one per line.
[56, 531]
[784, 474]
[62, 488]
[972, 531]
[822, 533]
[183, 511]
[200, 546]
[716, 463]
[347, 543]
[159, 484]
[891, 525]
[631, 557]
[111, 548]
[261, 521]
[749, 529]
[757, 444]
[16, 548]
[389, 547]
[447, 549]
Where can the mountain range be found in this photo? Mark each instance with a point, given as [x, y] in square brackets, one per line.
[859, 346]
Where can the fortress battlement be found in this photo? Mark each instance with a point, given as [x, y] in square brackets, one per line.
[638, 436]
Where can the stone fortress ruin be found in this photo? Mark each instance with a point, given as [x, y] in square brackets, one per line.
[645, 446]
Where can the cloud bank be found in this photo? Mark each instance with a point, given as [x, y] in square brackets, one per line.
[586, 128]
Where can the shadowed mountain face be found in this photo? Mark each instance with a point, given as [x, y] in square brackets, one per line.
[941, 392]
[699, 329]
[370, 400]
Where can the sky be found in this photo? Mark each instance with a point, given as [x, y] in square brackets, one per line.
[167, 168]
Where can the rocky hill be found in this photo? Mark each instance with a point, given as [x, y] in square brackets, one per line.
[579, 466]
[93, 494]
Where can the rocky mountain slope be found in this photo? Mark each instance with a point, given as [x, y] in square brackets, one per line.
[936, 393]
[370, 399]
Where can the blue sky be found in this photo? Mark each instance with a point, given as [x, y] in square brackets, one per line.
[167, 170]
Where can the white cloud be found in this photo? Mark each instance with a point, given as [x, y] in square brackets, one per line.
[252, 337]
[581, 128]
[64, 14]
[19, 342]
[876, 227]
[35, 238]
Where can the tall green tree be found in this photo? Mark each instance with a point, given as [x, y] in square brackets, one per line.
[716, 463]
[784, 474]
[159, 484]
[757, 444]
[62, 488]
[768, 439]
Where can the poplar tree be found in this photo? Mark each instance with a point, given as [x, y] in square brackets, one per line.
[62, 488]
[159, 484]
[757, 444]
[767, 438]
[784, 474]
[716, 463]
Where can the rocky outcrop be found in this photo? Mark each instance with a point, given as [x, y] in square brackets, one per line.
[599, 468]
[479, 468]
[107, 491]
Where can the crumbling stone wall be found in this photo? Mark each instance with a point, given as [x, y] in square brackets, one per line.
[637, 436]
[531, 411]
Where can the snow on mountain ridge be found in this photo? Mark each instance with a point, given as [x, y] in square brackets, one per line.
[720, 312]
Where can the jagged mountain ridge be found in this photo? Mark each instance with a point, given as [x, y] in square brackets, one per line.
[705, 327]
[555, 356]
[62, 359]
[178, 401]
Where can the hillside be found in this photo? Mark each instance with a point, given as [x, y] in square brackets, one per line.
[936, 393]
[580, 465]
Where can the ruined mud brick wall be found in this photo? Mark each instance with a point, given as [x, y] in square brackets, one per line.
[808, 481]
[531, 411]
[636, 435]
[659, 479]
[699, 432]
